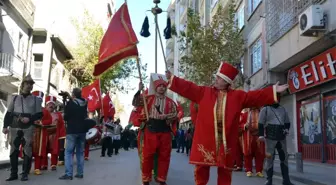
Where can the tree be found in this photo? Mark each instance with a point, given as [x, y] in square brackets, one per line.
[90, 34]
[206, 46]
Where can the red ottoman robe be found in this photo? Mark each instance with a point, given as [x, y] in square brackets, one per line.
[205, 150]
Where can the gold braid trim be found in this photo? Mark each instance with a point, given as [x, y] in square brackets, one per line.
[208, 156]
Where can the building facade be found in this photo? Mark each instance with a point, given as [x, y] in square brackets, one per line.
[302, 54]
[16, 25]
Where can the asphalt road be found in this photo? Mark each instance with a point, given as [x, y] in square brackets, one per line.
[124, 170]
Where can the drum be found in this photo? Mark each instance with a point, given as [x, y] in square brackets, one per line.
[93, 136]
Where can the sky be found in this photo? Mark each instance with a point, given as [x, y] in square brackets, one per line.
[146, 46]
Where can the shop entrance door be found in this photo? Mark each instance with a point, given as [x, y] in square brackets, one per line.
[310, 129]
[329, 125]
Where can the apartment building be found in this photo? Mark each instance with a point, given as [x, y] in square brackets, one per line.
[302, 52]
[16, 23]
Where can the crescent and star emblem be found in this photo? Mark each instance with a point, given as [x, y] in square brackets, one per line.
[96, 92]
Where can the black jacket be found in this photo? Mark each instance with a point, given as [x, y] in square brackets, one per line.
[75, 113]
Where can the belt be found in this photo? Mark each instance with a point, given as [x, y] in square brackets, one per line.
[156, 125]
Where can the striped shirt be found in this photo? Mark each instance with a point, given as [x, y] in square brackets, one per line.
[159, 108]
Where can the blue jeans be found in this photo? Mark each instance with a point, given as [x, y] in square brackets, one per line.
[74, 141]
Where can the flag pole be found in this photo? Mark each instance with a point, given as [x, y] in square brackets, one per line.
[143, 96]
[102, 106]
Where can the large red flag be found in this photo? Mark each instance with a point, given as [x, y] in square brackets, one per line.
[108, 107]
[118, 43]
[92, 94]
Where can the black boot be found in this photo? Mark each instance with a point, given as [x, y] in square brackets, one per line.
[27, 161]
[14, 162]
[285, 174]
[269, 174]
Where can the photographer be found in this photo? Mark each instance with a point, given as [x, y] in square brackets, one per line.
[75, 112]
[23, 110]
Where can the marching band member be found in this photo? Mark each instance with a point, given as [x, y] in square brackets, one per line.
[116, 136]
[55, 139]
[252, 148]
[135, 121]
[41, 137]
[216, 132]
[239, 155]
[162, 112]
[107, 136]
[87, 146]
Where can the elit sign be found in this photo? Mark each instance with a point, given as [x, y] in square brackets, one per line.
[315, 71]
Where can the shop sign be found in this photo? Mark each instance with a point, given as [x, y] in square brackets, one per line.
[315, 71]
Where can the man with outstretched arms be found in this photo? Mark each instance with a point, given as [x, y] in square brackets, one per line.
[216, 132]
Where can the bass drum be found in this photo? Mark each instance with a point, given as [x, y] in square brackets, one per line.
[93, 136]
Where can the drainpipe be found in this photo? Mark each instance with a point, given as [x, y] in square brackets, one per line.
[50, 65]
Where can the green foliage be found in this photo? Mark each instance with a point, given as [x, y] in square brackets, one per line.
[206, 46]
[90, 34]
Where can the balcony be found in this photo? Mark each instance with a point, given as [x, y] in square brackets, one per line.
[11, 67]
[282, 16]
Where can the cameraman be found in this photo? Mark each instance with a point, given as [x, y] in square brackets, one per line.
[75, 112]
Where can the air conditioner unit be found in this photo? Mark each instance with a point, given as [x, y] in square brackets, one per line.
[311, 21]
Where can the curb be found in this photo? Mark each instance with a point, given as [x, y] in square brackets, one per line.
[300, 179]
[6, 164]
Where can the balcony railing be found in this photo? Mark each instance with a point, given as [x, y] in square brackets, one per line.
[282, 16]
[11, 65]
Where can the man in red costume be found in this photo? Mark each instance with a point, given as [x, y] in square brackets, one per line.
[252, 147]
[40, 137]
[56, 138]
[157, 130]
[239, 155]
[216, 132]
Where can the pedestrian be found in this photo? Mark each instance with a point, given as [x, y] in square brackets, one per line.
[75, 113]
[117, 136]
[157, 138]
[188, 140]
[181, 140]
[107, 136]
[23, 110]
[216, 129]
[274, 124]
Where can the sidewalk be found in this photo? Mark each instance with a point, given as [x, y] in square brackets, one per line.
[313, 173]
[5, 163]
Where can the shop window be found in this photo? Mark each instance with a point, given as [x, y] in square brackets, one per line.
[329, 101]
[310, 121]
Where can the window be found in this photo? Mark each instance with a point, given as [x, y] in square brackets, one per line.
[253, 5]
[20, 45]
[256, 56]
[38, 66]
[240, 17]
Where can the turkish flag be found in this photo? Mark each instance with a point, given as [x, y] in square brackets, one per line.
[118, 43]
[108, 107]
[92, 94]
[180, 112]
